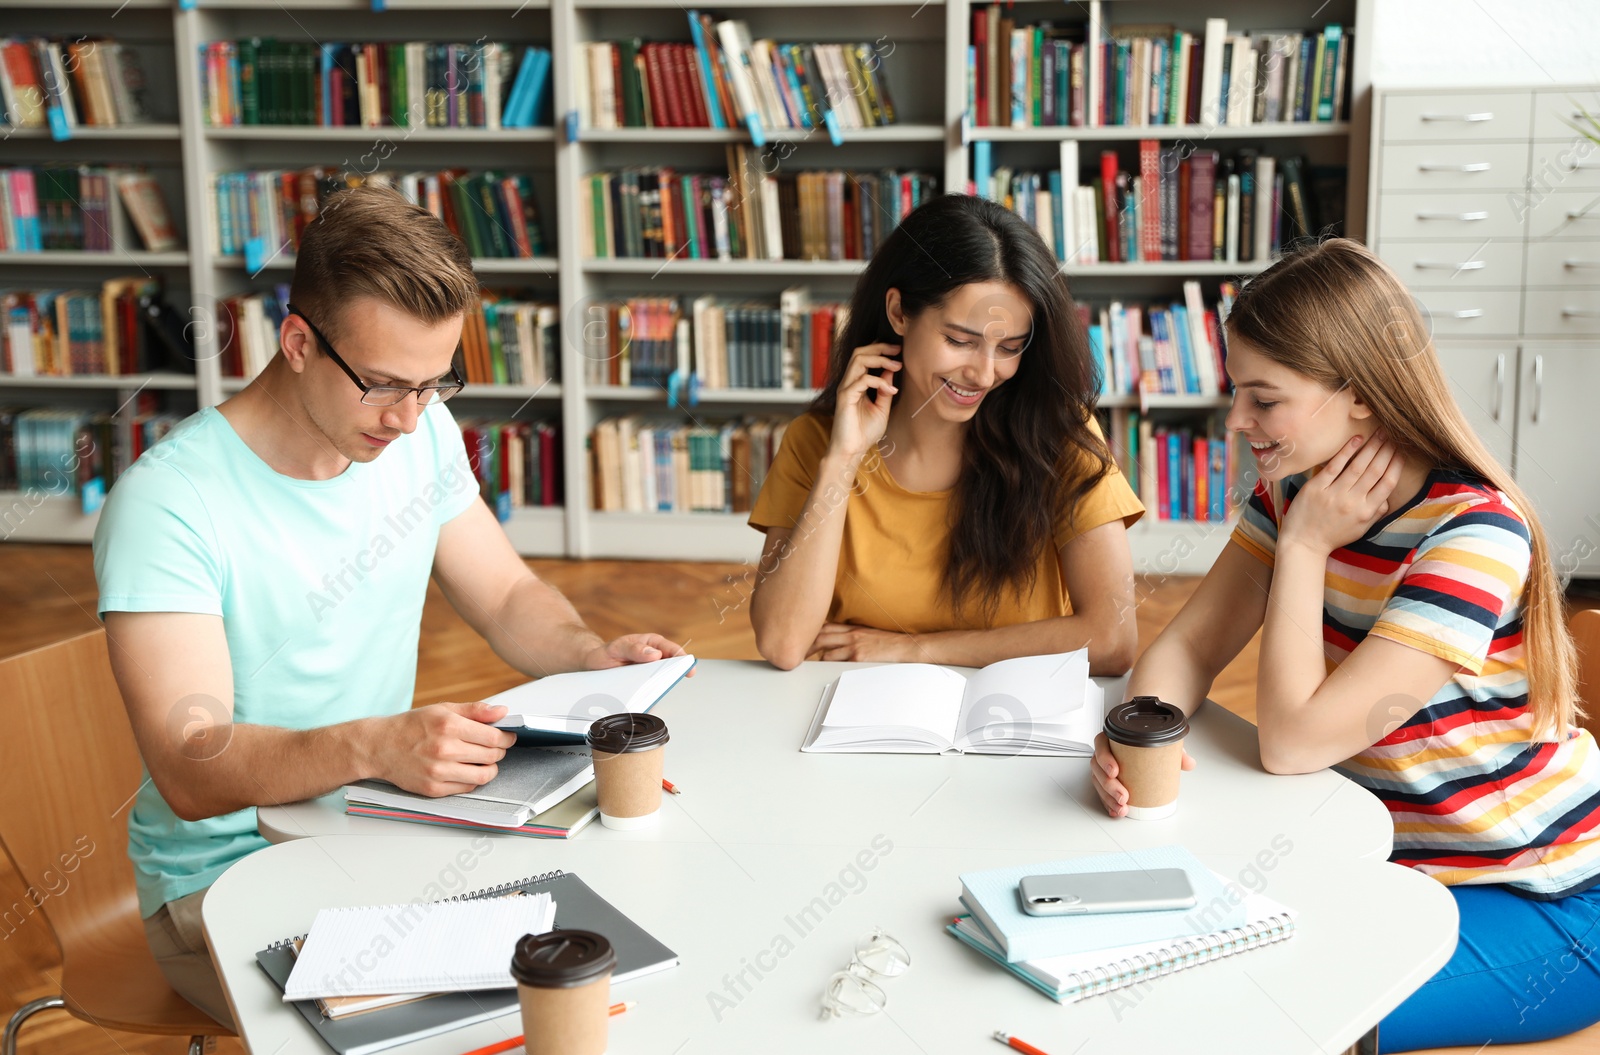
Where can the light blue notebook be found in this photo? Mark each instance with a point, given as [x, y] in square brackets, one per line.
[992, 898]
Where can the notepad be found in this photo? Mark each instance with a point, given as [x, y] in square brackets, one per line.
[1033, 705]
[560, 708]
[423, 947]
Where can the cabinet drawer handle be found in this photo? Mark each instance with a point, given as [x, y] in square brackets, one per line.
[1439, 265]
[1580, 313]
[1580, 263]
[1465, 166]
[1465, 216]
[1466, 313]
[1499, 382]
[1538, 386]
[1487, 115]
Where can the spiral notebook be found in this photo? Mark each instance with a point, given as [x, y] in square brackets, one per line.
[1068, 979]
[578, 907]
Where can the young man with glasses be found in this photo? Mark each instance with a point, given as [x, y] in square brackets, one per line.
[262, 573]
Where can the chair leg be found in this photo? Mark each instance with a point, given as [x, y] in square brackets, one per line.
[8, 1045]
[197, 1045]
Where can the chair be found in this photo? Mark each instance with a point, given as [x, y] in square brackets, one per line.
[69, 768]
[1585, 628]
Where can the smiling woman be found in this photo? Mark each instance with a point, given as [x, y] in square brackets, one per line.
[948, 497]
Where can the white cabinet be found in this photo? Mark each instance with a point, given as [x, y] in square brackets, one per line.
[1504, 257]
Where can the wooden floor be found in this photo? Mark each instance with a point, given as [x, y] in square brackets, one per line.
[48, 593]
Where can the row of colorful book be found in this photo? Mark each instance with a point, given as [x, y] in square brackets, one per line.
[664, 341]
[1178, 204]
[120, 328]
[63, 84]
[645, 465]
[747, 214]
[54, 452]
[517, 463]
[261, 212]
[1161, 349]
[1056, 73]
[403, 84]
[724, 79]
[93, 208]
[1179, 473]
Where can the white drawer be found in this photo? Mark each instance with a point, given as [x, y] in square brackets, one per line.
[1453, 166]
[1563, 313]
[1573, 165]
[1471, 312]
[1457, 214]
[1456, 115]
[1561, 214]
[1553, 109]
[1447, 265]
[1564, 263]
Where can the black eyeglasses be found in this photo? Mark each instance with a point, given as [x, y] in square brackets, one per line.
[386, 395]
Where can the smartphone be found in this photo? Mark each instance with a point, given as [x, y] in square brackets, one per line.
[1085, 893]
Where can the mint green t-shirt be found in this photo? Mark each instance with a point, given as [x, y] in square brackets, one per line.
[319, 583]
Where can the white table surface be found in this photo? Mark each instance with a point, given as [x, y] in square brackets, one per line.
[736, 729]
[762, 829]
[1369, 933]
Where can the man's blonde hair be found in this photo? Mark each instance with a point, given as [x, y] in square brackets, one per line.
[368, 241]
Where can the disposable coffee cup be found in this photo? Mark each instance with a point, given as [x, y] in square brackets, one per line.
[628, 754]
[564, 987]
[1146, 737]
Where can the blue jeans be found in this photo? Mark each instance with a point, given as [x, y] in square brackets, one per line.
[1522, 971]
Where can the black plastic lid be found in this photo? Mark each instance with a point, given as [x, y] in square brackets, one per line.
[562, 959]
[1146, 721]
[617, 734]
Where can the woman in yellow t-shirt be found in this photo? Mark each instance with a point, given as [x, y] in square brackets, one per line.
[980, 516]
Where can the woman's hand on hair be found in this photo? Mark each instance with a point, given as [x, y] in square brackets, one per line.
[859, 422]
[1338, 505]
[841, 641]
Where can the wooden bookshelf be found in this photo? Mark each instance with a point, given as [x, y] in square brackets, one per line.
[930, 48]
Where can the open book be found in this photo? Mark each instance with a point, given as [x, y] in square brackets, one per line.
[1033, 705]
[559, 708]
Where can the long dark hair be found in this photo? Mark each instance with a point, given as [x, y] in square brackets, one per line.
[1029, 455]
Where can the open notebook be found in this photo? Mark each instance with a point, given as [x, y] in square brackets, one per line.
[1033, 705]
[559, 708]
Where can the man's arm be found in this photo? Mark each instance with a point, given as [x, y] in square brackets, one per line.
[176, 679]
[527, 622]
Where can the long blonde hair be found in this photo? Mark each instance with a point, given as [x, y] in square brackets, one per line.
[1337, 314]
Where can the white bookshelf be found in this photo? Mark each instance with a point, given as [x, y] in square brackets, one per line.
[930, 41]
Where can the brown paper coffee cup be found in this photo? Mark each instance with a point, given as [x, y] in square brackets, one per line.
[629, 787]
[566, 1021]
[1151, 776]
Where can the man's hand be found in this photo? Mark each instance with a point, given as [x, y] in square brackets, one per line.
[631, 648]
[441, 749]
[841, 641]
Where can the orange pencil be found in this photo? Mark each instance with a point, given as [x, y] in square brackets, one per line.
[1021, 1045]
[668, 785]
[516, 1041]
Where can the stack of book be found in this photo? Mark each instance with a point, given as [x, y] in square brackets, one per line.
[1153, 349]
[59, 452]
[1178, 472]
[65, 332]
[645, 341]
[517, 463]
[413, 84]
[1070, 958]
[495, 214]
[1052, 73]
[64, 84]
[747, 214]
[646, 466]
[1178, 204]
[724, 79]
[94, 208]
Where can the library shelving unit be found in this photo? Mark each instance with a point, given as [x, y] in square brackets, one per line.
[929, 42]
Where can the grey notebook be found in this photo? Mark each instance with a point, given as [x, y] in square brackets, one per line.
[577, 908]
[529, 781]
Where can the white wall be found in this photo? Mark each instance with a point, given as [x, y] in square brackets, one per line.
[1461, 43]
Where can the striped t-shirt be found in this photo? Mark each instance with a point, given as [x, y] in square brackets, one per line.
[1472, 799]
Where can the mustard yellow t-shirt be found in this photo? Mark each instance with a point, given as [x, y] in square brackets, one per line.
[892, 556]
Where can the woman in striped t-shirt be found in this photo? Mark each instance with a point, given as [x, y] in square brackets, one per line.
[1384, 540]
